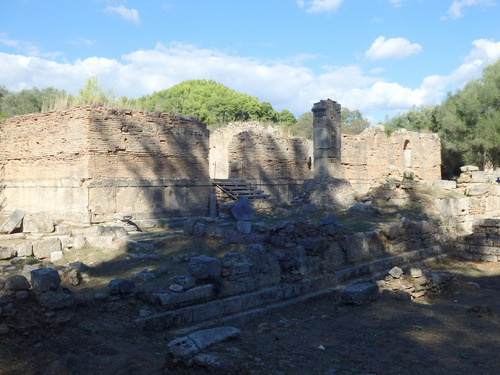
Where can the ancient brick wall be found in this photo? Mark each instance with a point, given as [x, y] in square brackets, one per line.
[252, 152]
[87, 163]
[366, 156]
[89, 142]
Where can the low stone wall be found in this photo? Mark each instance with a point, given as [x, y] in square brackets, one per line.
[484, 242]
[97, 200]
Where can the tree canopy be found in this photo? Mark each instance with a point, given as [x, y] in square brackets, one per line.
[213, 103]
[468, 123]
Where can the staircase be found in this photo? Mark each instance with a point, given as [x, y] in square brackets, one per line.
[238, 188]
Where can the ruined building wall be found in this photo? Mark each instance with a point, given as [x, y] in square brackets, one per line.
[263, 157]
[89, 162]
[366, 156]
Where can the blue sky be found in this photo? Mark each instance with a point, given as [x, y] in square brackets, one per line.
[379, 56]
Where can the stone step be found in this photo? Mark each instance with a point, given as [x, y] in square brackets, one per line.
[230, 309]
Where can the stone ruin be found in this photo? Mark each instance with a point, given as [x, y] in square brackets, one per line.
[92, 165]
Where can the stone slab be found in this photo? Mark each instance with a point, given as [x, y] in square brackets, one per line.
[12, 222]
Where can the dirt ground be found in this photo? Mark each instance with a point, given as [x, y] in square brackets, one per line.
[454, 332]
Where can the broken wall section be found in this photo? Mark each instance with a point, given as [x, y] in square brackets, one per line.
[81, 164]
[366, 156]
[265, 158]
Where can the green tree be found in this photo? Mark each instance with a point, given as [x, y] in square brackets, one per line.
[304, 126]
[92, 93]
[28, 101]
[210, 102]
[353, 122]
[468, 123]
[287, 119]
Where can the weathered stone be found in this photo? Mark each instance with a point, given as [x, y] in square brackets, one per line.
[145, 275]
[469, 168]
[17, 282]
[7, 252]
[356, 248]
[121, 286]
[56, 256]
[186, 282]
[108, 237]
[396, 272]
[235, 265]
[204, 268]
[477, 189]
[183, 347]
[79, 242]
[204, 338]
[244, 227]
[24, 249]
[72, 276]
[242, 209]
[12, 221]
[415, 272]
[57, 299]
[40, 222]
[45, 279]
[176, 288]
[44, 247]
[360, 294]
[2, 284]
[79, 266]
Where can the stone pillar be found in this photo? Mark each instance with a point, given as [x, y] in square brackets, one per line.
[327, 139]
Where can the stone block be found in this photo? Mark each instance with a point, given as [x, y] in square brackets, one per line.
[396, 272]
[7, 252]
[121, 286]
[477, 189]
[203, 267]
[183, 347]
[244, 227]
[360, 294]
[17, 282]
[44, 247]
[45, 279]
[56, 256]
[57, 299]
[12, 222]
[203, 339]
[24, 249]
[40, 222]
[242, 209]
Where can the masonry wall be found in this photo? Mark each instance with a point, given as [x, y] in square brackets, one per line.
[367, 155]
[57, 161]
[265, 158]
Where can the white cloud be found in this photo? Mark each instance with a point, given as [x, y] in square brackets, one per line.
[127, 14]
[393, 48]
[456, 8]
[317, 6]
[396, 3]
[283, 83]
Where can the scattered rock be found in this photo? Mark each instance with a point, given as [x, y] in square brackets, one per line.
[57, 299]
[242, 209]
[396, 272]
[45, 279]
[205, 268]
[360, 294]
[121, 286]
[17, 282]
[12, 222]
[145, 275]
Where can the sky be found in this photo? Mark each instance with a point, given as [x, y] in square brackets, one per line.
[381, 57]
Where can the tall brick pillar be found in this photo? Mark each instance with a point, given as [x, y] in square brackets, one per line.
[327, 139]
